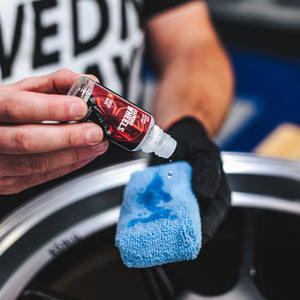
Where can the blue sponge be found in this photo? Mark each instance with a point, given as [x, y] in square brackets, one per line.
[160, 219]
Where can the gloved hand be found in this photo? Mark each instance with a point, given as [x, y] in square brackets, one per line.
[208, 181]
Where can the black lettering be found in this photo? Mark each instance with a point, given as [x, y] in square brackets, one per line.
[6, 60]
[139, 9]
[124, 22]
[40, 58]
[64, 245]
[123, 71]
[94, 70]
[79, 46]
[124, 29]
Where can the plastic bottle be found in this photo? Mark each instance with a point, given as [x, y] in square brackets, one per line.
[123, 122]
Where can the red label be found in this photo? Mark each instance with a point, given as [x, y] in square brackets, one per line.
[127, 124]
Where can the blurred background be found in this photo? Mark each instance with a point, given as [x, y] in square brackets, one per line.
[263, 40]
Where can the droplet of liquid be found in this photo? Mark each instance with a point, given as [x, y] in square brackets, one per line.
[252, 271]
[170, 174]
[170, 160]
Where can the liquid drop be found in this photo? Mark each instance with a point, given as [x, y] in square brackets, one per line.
[170, 174]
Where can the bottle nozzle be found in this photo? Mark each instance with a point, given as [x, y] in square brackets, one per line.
[159, 142]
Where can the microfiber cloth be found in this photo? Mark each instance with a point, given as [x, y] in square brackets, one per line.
[160, 219]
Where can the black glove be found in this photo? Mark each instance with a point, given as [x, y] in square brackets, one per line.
[208, 181]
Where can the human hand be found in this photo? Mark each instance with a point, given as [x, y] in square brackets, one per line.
[209, 180]
[32, 152]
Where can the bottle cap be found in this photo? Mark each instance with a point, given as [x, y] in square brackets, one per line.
[159, 142]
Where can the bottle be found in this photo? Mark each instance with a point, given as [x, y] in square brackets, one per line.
[122, 122]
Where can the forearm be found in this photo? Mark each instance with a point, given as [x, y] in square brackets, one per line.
[198, 83]
[195, 78]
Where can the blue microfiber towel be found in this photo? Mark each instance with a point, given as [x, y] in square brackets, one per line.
[160, 219]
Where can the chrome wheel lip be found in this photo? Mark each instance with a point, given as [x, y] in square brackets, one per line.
[24, 218]
[15, 283]
[253, 164]
[27, 216]
[30, 214]
[247, 200]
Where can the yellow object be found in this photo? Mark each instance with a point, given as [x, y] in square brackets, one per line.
[282, 142]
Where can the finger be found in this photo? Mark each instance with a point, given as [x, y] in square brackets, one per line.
[27, 139]
[28, 107]
[58, 82]
[212, 217]
[93, 77]
[20, 165]
[16, 184]
[206, 178]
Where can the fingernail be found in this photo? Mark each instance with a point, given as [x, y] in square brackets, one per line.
[95, 135]
[93, 77]
[101, 147]
[78, 110]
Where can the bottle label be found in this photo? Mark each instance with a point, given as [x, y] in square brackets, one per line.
[126, 124]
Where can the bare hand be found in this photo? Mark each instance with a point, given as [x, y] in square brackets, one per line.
[31, 152]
